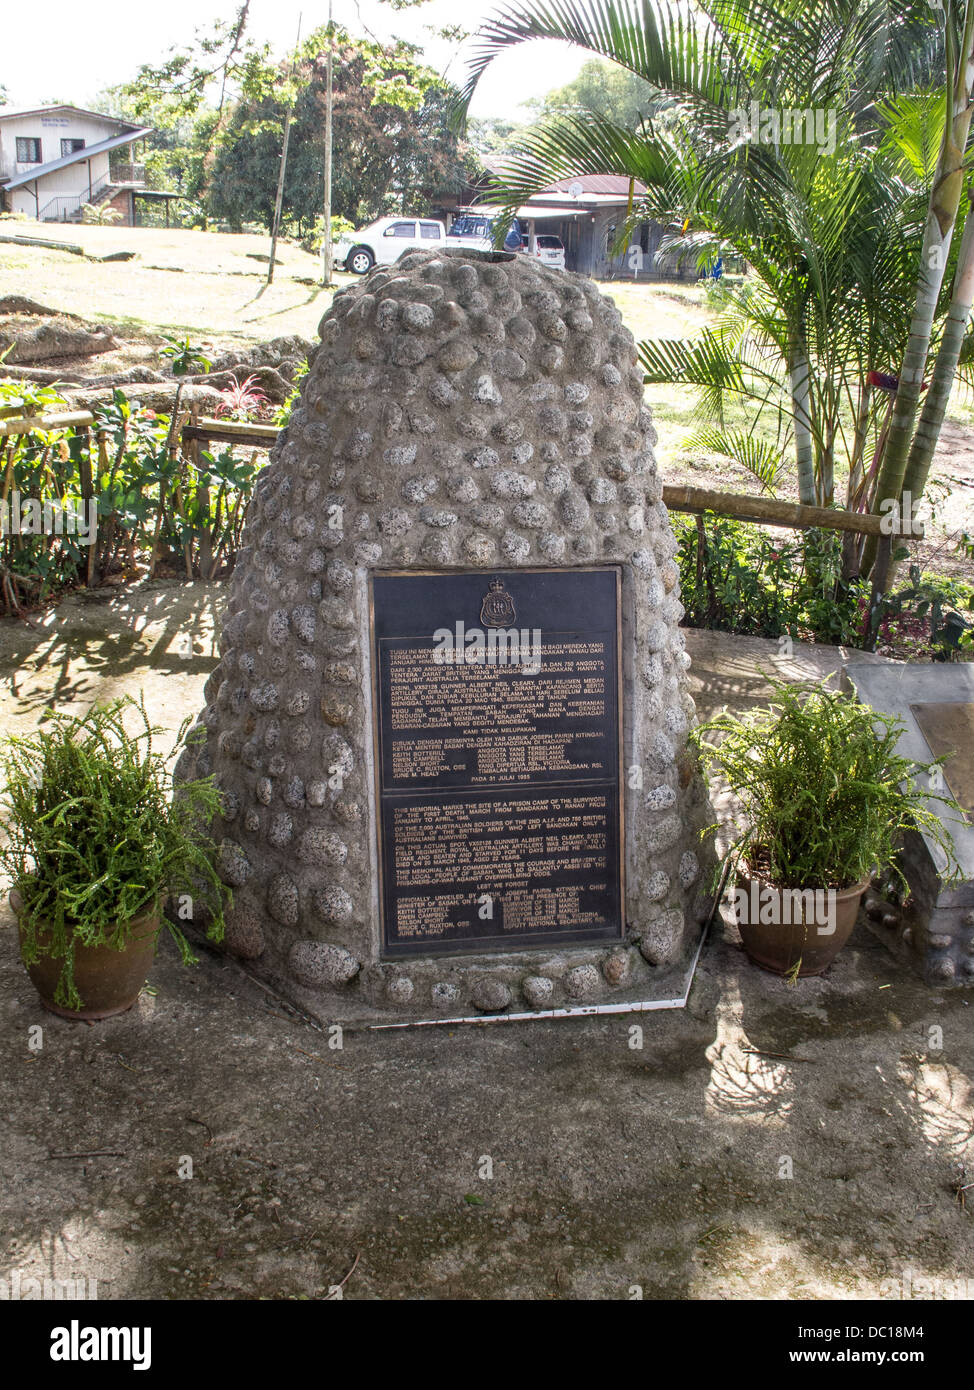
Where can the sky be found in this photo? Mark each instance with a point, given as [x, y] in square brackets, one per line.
[101, 43]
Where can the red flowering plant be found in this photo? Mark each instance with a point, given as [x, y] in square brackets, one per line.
[241, 400]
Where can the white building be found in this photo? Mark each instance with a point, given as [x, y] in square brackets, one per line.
[54, 159]
[586, 212]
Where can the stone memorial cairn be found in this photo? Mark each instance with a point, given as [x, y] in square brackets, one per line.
[467, 412]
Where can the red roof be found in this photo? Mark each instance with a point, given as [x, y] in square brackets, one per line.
[597, 183]
[617, 184]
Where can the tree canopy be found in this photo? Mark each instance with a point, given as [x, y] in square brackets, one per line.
[858, 288]
[604, 89]
[218, 107]
[394, 148]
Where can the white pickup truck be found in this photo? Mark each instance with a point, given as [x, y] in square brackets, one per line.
[384, 241]
[474, 228]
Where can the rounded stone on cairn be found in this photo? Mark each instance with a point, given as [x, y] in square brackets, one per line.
[617, 968]
[490, 996]
[538, 991]
[317, 965]
[400, 989]
[462, 411]
[663, 938]
[244, 934]
[582, 982]
[445, 995]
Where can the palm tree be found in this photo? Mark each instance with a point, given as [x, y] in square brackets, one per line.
[907, 448]
[801, 338]
[833, 223]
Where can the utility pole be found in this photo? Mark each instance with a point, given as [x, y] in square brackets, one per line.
[326, 248]
[280, 178]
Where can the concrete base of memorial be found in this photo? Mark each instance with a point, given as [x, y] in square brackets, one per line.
[496, 989]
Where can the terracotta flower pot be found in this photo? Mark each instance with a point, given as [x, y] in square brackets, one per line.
[109, 981]
[780, 926]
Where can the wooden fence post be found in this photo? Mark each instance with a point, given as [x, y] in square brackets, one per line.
[87, 497]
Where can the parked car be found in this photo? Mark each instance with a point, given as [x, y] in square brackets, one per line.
[475, 229]
[384, 241]
[549, 249]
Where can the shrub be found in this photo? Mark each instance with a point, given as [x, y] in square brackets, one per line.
[104, 215]
[824, 793]
[927, 616]
[94, 839]
[151, 501]
[734, 577]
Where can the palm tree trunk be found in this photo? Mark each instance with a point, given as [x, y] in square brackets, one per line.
[800, 376]
[857, 473]
[857, 469]
[945, 368]
[941, 215]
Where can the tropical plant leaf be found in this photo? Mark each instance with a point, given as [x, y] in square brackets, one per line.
[760, 457]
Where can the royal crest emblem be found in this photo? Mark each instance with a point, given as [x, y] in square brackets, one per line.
[497, 609]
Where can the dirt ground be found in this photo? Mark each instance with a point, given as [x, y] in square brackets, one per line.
[663, 1167]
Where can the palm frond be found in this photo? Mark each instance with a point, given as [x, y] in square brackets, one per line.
[762, 459]
[701, 361]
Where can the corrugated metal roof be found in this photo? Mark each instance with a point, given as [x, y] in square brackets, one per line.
[9, 113]
[530, 212]
[597, 183]
[40, 171]
[602, 185]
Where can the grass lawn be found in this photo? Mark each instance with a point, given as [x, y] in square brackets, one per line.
[208, 285]
[204, 283]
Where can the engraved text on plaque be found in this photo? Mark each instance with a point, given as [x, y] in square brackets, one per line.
[497, 749]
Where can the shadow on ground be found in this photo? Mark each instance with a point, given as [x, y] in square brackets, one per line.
[614, 1167]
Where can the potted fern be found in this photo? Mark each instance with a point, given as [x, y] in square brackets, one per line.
[825, 798]
[94, 845]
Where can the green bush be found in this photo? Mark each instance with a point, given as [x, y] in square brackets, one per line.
[825, 795]
[94, 838]
[151, 502]
[926, 617]
[734, 577]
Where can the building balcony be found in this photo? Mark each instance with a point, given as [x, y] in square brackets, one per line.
[128, 173]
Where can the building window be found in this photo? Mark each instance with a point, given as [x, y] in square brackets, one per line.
[28, 150]
[71, 147]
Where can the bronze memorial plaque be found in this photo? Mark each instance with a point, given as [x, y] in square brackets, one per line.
[498, 745]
